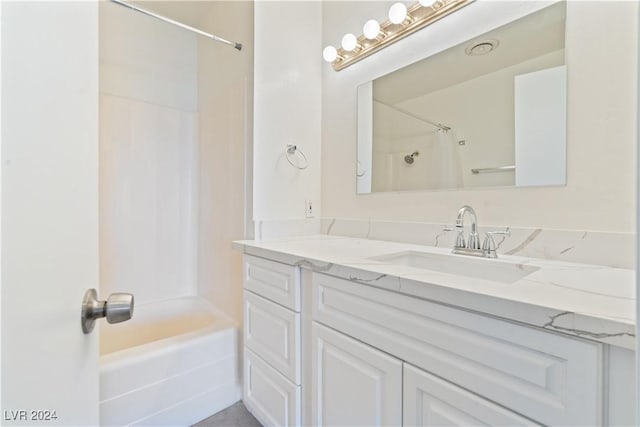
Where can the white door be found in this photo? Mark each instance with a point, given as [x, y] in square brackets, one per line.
[49, 211]
[353, 384]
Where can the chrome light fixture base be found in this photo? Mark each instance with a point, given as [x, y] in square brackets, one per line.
[418, 17]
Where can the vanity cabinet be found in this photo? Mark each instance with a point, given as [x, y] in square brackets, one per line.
[549, 378]
[353, 384]
[321, 350]
[272, 341]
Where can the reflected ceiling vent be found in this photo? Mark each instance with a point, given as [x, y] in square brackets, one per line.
[482, 47]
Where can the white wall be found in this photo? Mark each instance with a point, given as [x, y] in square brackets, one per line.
[601, 44]
[148, 156]
[225, 83]
[287, 105]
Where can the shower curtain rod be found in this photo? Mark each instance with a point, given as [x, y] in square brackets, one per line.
[415, 116]
[179, 24]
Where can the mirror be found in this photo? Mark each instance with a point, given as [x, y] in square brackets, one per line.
[487, 112]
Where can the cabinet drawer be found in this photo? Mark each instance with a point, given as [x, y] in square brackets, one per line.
[431, 401]
[543, 376]
[273, 332]
[275, 281]
[270, 397]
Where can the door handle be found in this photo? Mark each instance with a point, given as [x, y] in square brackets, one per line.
[117, 308]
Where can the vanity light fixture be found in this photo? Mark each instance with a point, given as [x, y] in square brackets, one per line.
[427, 3]
[349, 42]
[371, 29]
[402, 22]
[330, 54]
[397, 13]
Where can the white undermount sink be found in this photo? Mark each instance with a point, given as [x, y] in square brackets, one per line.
[460, 265]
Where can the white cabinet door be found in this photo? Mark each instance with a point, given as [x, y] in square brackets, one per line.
[49, 211]
[431, 401]
[353, 384]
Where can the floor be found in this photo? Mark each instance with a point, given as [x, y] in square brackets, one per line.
[234, 416]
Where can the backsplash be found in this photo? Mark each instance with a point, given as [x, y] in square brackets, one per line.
[589, 247]
[282, 228]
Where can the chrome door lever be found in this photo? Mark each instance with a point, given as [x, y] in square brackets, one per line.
[117, 308]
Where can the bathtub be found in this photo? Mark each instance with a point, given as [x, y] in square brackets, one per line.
[174, 363]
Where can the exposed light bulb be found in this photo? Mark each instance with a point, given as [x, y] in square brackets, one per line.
[349, 42]
[330, 54]
[427, 3]
[397, 13]
[371, 29]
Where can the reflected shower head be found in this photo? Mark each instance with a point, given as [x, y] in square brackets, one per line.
[408, 159]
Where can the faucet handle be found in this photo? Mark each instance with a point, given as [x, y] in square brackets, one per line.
[506, 232]
[460, 238]
[489, 245]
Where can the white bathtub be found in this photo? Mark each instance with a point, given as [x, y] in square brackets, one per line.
[174, 363]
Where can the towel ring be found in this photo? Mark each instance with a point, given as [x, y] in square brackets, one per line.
[292, 150]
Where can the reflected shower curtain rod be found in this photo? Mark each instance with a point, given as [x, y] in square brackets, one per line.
[179, 24]
[415, 116]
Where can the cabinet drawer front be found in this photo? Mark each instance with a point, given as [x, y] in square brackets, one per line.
[270, 397]
[275, 281]
[273, 332]
[541, 375]
[353, 384]
[431, 401]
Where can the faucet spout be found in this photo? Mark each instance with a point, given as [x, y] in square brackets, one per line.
[474, 239]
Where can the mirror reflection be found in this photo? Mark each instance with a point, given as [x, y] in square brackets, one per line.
[487, 112]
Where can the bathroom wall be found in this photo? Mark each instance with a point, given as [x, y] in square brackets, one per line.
[148, 156]
[225, 83]
[602, 109]
[287, 103]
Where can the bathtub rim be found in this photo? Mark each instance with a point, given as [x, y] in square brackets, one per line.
[147, 350]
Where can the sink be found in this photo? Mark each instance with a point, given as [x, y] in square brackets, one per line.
[460, 265]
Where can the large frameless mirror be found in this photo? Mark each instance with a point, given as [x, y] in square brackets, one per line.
[487, 112]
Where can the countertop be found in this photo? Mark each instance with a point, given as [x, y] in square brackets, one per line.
[589, 301]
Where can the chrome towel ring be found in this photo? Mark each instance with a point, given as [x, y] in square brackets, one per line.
[290, 152]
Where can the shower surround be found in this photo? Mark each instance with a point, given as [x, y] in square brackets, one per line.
[173, 130]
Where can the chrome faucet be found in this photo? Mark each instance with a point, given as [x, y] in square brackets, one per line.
[474, 239]
[472, 246]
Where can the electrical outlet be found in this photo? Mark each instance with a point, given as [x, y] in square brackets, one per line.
[308, 209]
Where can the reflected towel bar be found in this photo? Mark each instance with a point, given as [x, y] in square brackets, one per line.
[493, 170]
